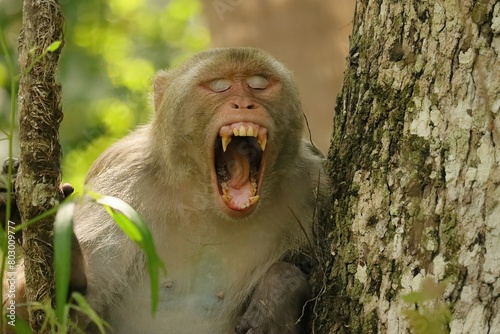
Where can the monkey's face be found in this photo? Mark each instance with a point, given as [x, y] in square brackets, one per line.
[239, 153]
[242, 121]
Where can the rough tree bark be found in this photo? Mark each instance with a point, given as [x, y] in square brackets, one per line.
[40, 152]
[415, 169]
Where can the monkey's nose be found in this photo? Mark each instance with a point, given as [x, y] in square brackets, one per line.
[242, 103]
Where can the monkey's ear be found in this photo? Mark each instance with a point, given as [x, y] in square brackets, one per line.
[160, 84]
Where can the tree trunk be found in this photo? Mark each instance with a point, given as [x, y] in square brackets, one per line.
[40, 153]
[414, 164]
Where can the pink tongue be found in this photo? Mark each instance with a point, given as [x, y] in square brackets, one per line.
[238, 167]
[239, 185]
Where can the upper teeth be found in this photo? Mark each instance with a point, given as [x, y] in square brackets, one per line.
[243, 129]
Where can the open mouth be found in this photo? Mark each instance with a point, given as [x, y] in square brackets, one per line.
[239, 164]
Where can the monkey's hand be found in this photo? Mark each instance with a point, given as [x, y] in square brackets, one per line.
[278, 302]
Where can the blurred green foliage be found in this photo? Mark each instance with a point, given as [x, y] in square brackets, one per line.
[112, 50]
[429, 313]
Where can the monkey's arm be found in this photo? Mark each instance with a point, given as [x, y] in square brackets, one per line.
[278, 302]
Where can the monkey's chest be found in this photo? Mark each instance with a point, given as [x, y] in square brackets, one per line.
[200, 287]
[198, 297]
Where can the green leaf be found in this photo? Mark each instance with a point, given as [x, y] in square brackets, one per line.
[430, 315]
[32, 221]
[63, 232]
[134, 227]
[414, 297]
[54, 46]
[22, 326]
[125, 224]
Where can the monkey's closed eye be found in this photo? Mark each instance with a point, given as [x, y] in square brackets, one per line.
[219, 85]
[257, 82]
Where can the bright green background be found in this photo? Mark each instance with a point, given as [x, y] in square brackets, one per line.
[111, 53]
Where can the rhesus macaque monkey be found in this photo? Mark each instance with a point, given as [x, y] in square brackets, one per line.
[227, 186]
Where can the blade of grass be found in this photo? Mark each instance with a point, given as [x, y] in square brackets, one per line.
[132, 224]
[85, 307]
[22, 327]
[63, 231]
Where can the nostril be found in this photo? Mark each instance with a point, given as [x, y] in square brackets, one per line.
[237, 104]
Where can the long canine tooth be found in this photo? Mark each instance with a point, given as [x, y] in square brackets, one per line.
[262, 142]
[225, 141]
[243, 131]
[253, 199]
[262, 138]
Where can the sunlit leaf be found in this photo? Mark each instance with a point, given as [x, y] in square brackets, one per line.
[414, 297]
[134, 227]
[63, 232]
[32, 221]
[54, 46]
[430, 314]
